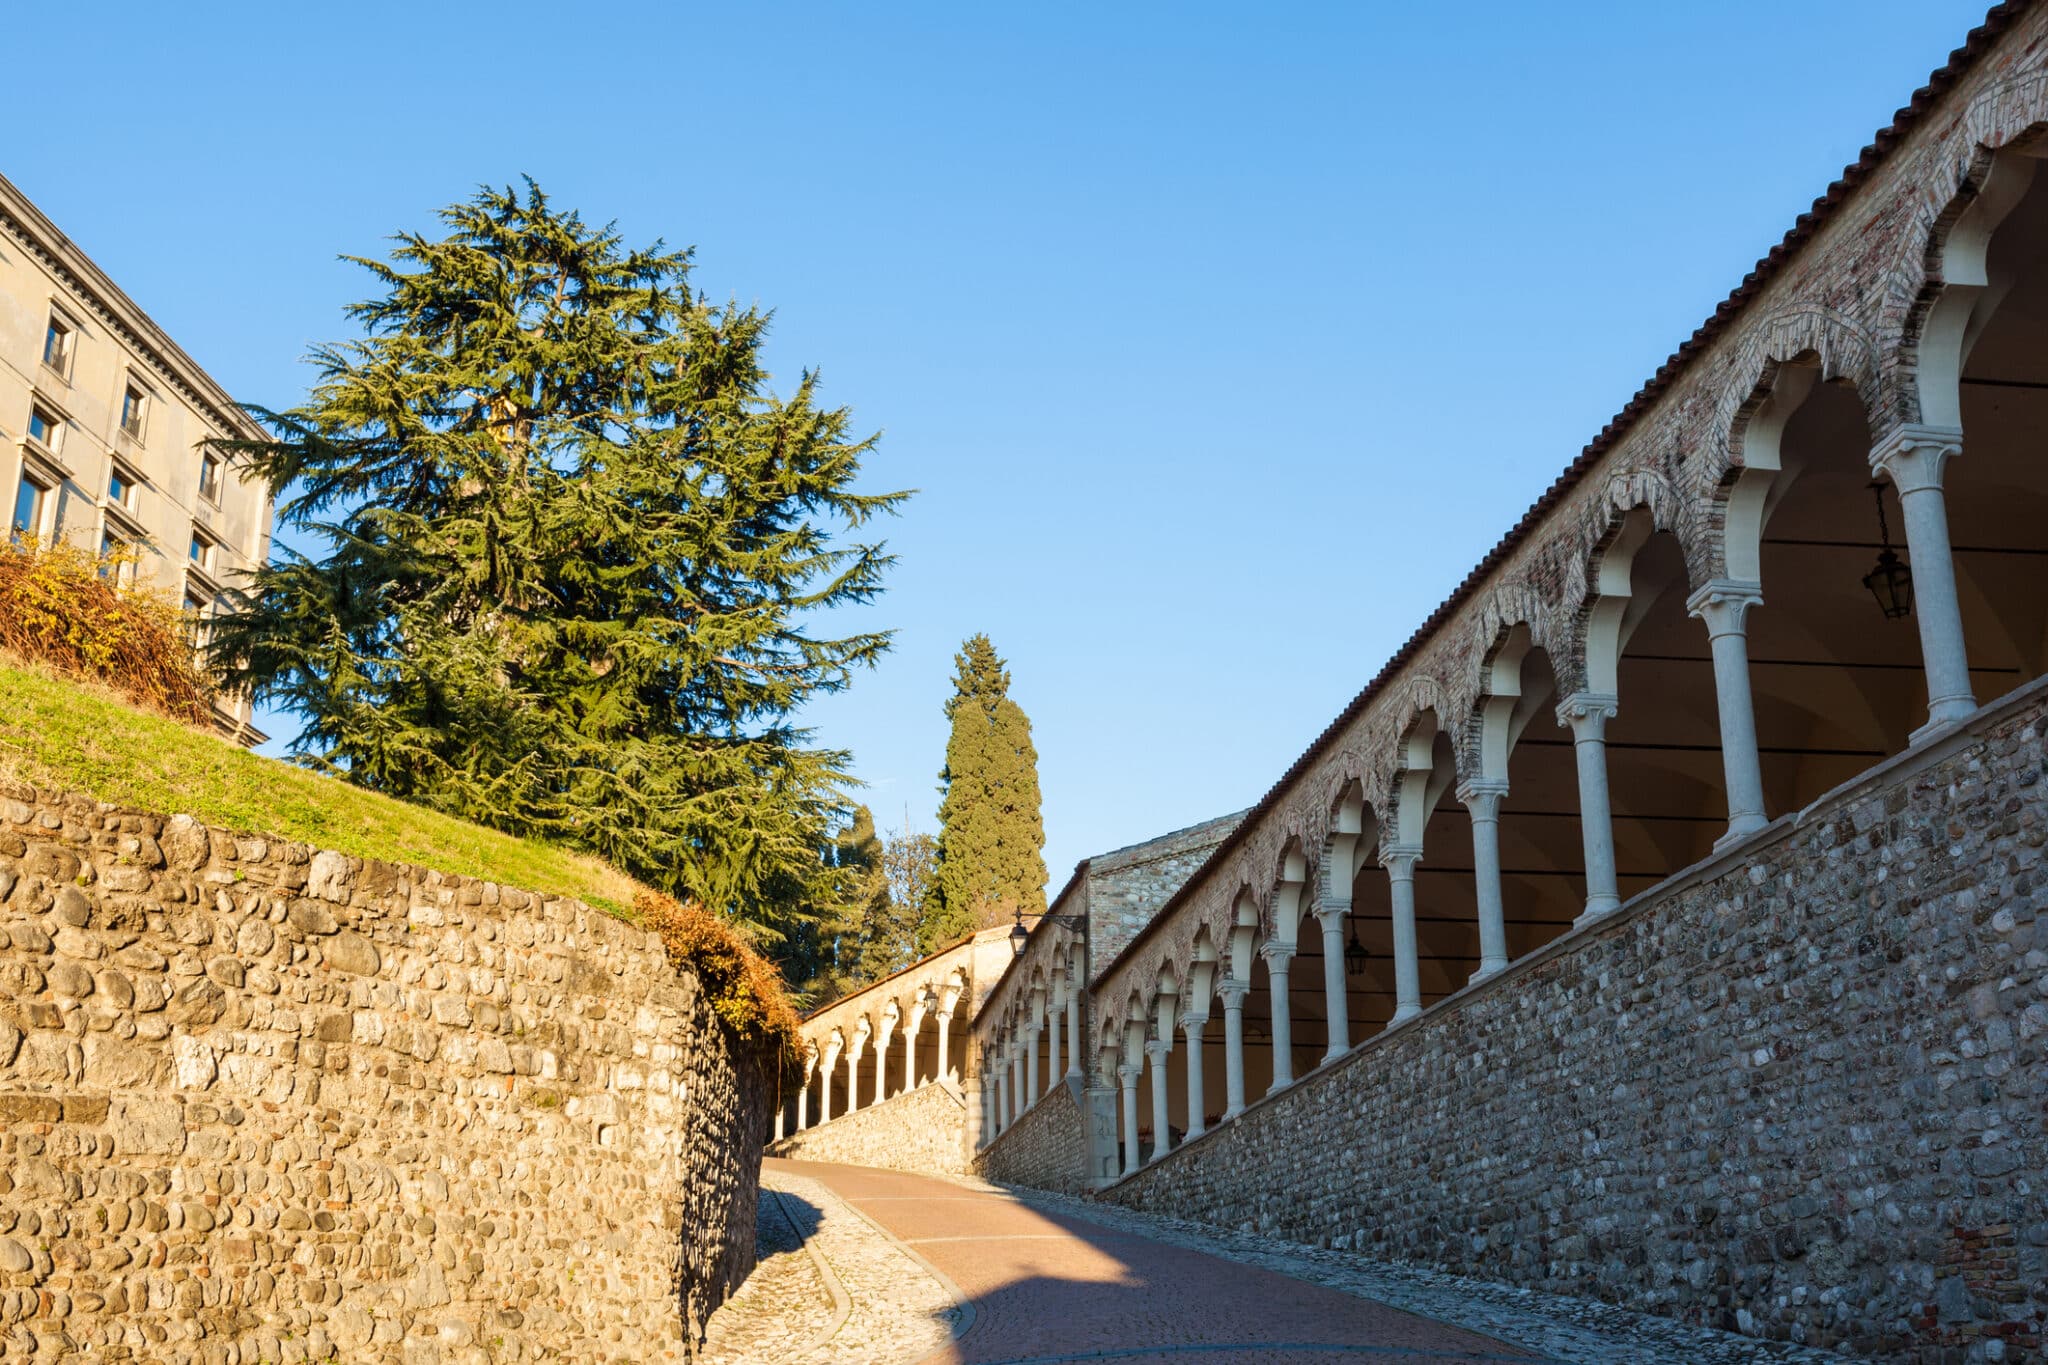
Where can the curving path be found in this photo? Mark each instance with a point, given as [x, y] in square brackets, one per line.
[1045, 1286]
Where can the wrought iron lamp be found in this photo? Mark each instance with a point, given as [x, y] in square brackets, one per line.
[1355, 954]
[1021, 936]
[1891, 582]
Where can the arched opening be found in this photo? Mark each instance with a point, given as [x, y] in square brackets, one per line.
[1446, 906]
[1663, 744]
[1528, 768]
[1997, 490]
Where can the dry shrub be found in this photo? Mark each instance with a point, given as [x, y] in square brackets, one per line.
[745, 991]
[64, 607]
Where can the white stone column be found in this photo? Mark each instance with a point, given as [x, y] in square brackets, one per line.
[1336, 998]
[778, 1123]
[803, 1102]
[1003, 1089]
[1232, 994]
[1191, 1029]
[1724, 606]
[944, 1016]
[1031, 1067]
[1482, 797]
[825, 1083]
[1587, 713]
[1017, 1100]
[853, 1056]
[1400, 864]
[1074, 1030]
[1054, 1018]
[1915, 458]
[1158, 1050]
[1277, 956]
[882, 1058]
[917, 1013]
[1128, 1076]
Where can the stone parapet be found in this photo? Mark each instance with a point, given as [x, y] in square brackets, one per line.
[264, 1101]
[923, 1132]
[1799, 1092]
[1047, 1148]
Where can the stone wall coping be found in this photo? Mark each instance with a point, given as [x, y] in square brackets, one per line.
[1933, 750]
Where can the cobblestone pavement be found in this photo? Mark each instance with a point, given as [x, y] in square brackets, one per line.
[1048, 1279]
[830, 1288]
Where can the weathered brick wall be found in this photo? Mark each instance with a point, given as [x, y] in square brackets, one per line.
[1801, 1094]
[263, 1103]
[924, 1132]
[1046, 1149]
[1127, 887]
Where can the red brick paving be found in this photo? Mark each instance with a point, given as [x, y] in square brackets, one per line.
[1046, 1288]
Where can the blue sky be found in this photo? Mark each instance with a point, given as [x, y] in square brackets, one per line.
[1221, 340]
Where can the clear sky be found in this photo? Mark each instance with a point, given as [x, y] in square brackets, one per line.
[1221, 340]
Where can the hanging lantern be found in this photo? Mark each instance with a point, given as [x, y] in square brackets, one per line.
[1355, 955]
[1891, 582]
[1019, 935]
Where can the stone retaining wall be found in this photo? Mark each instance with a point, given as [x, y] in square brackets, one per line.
[923, 1132]
[259, 1102]
[1800, 1092]
[1046, 1148]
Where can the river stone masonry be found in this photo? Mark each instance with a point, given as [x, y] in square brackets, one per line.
[923, 1132]
[265, 1103]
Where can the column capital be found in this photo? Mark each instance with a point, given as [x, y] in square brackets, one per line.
[1586, 713]
[1723, 603]
[1192, 1024]
[1129, 1074]
[1914, 455]
[1158, 1049]
[1276, 954]
[1400, 860]
[1482, 793]
[1331, 914]
[1232, 993]
[943, 1012]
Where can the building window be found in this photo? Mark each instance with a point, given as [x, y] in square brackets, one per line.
[209, 478]
[134, 403]
[202, 551]
[198, 615]
[57, 346]
[117, 558]
[121, 486]
[43, 428]
[29, 500]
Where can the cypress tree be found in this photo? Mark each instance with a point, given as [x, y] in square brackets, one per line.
[573, 549]
[991, 860]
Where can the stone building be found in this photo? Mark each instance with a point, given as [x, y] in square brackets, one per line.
[102, 420]
[1664, 922]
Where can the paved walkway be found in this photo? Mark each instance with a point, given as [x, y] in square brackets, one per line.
[878, 1267]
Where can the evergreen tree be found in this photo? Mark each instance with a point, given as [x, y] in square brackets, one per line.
[991, 838]
[573, 544]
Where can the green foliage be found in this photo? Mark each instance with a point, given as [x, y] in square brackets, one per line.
[991, 845]
[572, 546]
[879, 924]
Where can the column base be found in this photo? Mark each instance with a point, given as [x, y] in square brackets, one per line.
[1738, 830]
[1334, 1054]
[1942, 717]
[1230, 1114]
[1403, 1014]
[1488, 969]
[1279, 1084]
[1597, 909]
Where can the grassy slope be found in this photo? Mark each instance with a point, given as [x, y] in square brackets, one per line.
[63, 735]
